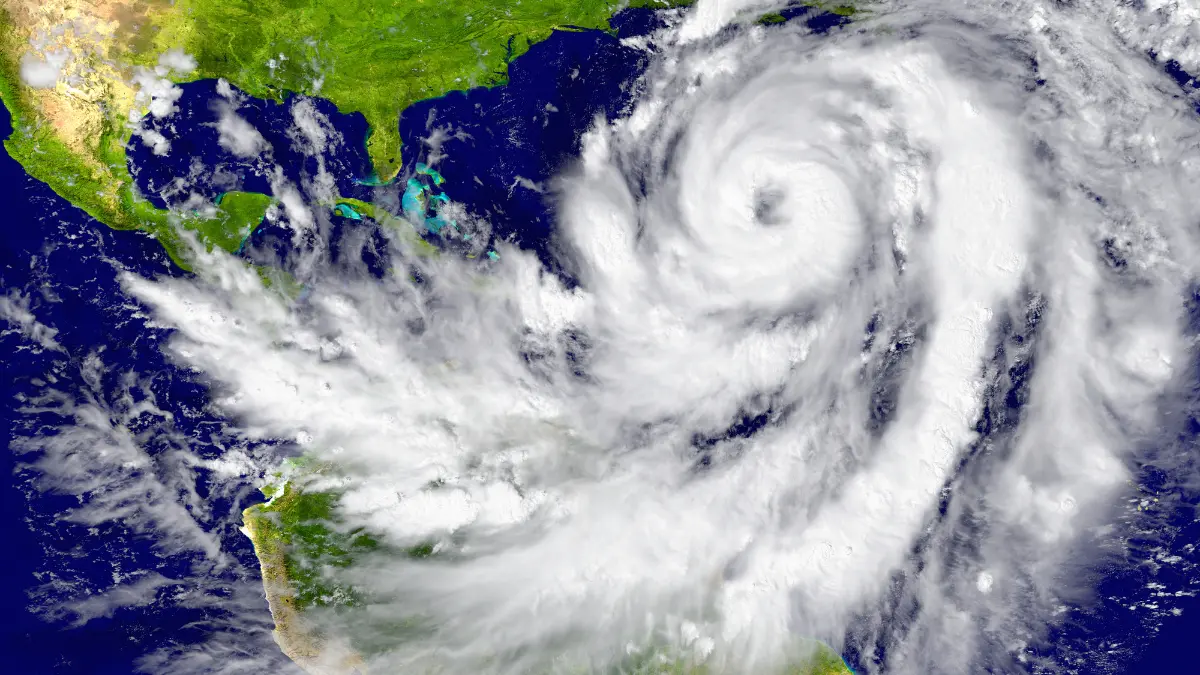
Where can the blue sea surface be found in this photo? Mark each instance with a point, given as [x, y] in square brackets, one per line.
[66, 265]
[502, 145]
[500, 142]
[199, 163]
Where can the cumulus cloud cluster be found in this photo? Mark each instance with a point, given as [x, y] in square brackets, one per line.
[237, 135]
[157, 94]
[812, 269]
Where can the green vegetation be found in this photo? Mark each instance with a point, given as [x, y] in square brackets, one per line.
[383, 217]
[98, 180]
[238, 213]
[304, 526]
[90, 189]
[774, 18]
[819, 659]
[421, 551]
[824, 661]
[366, 56]
[374, 58]
[661, 4]
[312, 540]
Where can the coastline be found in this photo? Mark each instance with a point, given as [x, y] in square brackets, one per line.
[294, 635]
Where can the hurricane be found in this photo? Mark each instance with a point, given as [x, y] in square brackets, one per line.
[857, 337]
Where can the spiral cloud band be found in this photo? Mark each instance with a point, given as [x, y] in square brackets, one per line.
[807, 266]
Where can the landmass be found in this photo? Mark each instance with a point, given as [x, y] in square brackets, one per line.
[366, 56]
[77, 75]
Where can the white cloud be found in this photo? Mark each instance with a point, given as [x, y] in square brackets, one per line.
[15, 310]
[140, 593]
[313, 134]
[293, 203]
[312, 131]
[155, 91]
[226, 90]
[42, 71]
[237, 135]
[177, 60]
[154, 140]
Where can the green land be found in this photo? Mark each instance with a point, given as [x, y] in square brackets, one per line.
[97, 179]
[366, 56]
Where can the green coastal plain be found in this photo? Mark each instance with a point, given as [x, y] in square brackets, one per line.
[369, 56]
[373, 57]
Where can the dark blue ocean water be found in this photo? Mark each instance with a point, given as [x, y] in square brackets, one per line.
[198, 161]
[64, 266]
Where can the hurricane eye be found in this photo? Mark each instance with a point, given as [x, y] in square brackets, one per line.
[768, 205]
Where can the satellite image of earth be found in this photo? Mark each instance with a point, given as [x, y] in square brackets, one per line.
[540, 337]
